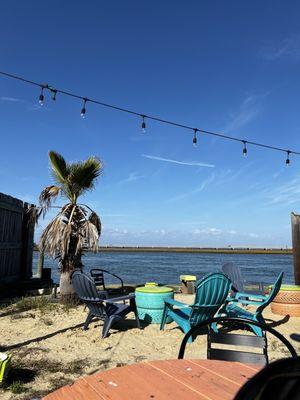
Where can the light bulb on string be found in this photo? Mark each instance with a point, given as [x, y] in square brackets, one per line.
[53, 94]
[143, 124]
[245, 149]
[288, 161]
[83, 110]
[41, 98]
[195, 137]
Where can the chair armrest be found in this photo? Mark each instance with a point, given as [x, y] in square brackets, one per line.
[258, 297]
[245, 302]
[109, 273]
[261, 285]
[120, 298]
[116, 276]
[102, 294]
[250, 302]
[176, 303]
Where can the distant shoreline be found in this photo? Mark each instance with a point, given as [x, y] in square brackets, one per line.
[207, 250]
[231, 250]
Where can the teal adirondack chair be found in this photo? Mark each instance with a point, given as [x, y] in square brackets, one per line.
[231, 309]
[211, 293]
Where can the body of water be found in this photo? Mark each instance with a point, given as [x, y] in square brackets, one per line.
[166, 267]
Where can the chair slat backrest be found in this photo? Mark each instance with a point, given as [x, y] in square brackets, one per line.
[237, 339]
[272, 295]
[98, 277]
[235, 275]
[237, 356]
[225, 354]
[84, 286]
[86, 290]
[211, 292]
[235, 322]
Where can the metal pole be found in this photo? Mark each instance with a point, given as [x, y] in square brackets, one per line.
[40, 265]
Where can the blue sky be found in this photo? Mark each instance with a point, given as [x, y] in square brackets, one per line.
[225, 66]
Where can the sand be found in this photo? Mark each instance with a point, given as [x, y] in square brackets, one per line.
[52, 349]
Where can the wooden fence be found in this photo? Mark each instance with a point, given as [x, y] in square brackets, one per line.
[296, 246]
[16, 240]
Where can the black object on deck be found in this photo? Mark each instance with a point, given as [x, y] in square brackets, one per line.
[235, 339]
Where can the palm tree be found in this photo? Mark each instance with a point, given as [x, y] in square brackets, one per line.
[76, 228]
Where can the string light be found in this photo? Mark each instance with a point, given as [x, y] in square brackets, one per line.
[143, 123]
[83, 110]
[245, 148]
[287, 161]
[41, 98]
[195, 137]
[153, 118]
[53, 94]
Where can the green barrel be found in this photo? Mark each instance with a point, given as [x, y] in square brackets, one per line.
[150, 302]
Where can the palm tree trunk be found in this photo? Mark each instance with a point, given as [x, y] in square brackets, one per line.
[67, 293]
[67, 265]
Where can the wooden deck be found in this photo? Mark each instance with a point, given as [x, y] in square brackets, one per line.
[160, 380]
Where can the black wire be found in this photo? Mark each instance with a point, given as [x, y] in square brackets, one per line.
[153, 118]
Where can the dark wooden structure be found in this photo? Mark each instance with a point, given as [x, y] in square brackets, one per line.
[296, 246]
[16, 240]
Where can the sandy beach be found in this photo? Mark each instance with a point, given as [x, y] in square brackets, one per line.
[49, 348]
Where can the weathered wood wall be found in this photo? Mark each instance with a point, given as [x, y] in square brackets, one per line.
[296, 246]
[16, 239]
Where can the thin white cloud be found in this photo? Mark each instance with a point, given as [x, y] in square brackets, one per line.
[287, 47]
[115, 231]
[132, 177]
[248, 111]
[253, 235]
[29, 105]
[199, 189]
[286, 194]
[11, 99]
[232, 232]
[208, 231]
[230, 175]
[190, 163]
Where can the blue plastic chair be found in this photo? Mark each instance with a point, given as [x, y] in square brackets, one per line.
[238, 283]
[211, 293]
[231, 309]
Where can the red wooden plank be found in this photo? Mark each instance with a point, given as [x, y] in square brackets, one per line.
[80, 390]
[234, 372]
[141, 382]
[204, 381]
[182, 379]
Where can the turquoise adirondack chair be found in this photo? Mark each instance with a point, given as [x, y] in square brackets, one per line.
[211, 293]
[231, 309]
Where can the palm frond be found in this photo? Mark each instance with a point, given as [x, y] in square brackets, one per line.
[34, 214]
[88, 237]
[55, 239]
[94, 219]
[70, 233]
[58, 166]
[82, 175]
[49, 194]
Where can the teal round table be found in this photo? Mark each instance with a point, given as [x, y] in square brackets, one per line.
[150, 302]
